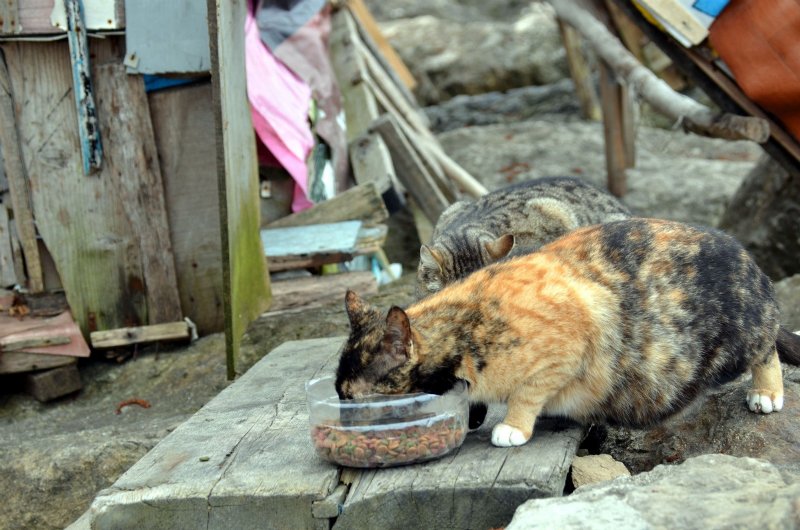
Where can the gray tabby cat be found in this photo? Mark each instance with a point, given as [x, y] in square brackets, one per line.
[516, 219]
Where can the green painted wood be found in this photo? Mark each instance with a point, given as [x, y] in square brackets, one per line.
[246, 292]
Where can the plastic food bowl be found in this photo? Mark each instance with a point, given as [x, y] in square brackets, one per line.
[385, 430]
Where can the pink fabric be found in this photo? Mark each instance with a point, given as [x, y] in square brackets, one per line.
[279, 103]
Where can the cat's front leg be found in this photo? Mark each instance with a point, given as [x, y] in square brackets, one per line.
[517, 426]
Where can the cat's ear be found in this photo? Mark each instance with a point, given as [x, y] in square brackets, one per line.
[356, 308]
[430, 258]
[397, 338]
[500, 247]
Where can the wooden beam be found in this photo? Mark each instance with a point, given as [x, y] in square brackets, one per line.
[113, 338]
[9, 17]
[580, 73]
[361, 202]
[246, 291]
[15, 362]
[8, 344]
[8, 276]
[371, 162]
[410, 169]
[314, 291]
[54, 383]
[17, 177]
[365, 20]
[616, 130]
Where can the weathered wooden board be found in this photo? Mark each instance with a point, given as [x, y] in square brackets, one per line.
[17, 178]
[116, 269]
[372, 162]
[175, 41]
[245, 280]
[410, 168]
[311, 239]
[167, 331]
[15, 362]
[50, 384]
[245, 460]
[8, 276]
[362, 202]
[183, 126]
[317, 290]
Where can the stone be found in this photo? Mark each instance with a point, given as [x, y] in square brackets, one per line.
[722, 424]
[596, 468]
[677, 176]
[709, 491]
[502, 54]
[763, 215]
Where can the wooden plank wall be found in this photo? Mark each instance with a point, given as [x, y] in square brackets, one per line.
[183, 125]
[116, 268]
[245, 280]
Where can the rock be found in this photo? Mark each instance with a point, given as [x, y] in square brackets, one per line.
[764, 215]
[709, 491]
[722, 424]
[677, 176]
[788, 293]
[515, 105]
[596, 468]
[502, 55]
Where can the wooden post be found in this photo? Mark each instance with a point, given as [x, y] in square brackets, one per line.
[245, 291]
[580, 72]
[18, 181]
[617, 130]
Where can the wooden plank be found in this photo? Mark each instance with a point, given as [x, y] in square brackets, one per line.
[676, 15]
[410, 169]
[210, 471]
[245, 279]
[359, 104]
[134, 159]
[183, 127]
[8, 276]
[308, 239]
[580, 72]
[365, 20]
[614, 99]
[118, 252]
[362, 202]
[15, 362]
[8, 344]
[315, 291]
[113, 338]
[54, 383]
[175, 41]
[371, 162]
[88, 124]
[17, 178]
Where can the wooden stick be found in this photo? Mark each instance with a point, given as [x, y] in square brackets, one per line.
[18, 182]
[88, 124]
[33, 342]
[581, 75]
[113, 338]
[695, 117]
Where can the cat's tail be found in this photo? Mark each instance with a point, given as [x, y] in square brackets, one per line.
[788, 345]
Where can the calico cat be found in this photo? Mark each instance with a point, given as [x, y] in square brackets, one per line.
[627, 322]
[523, 217]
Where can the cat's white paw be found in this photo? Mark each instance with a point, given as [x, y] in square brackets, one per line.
[507, 436]
[764, 402]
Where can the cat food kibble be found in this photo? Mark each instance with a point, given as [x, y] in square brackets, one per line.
[354, 447]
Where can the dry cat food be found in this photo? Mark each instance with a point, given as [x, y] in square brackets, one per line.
[390, 446]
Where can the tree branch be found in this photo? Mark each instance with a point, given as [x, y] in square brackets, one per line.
[694, 116]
